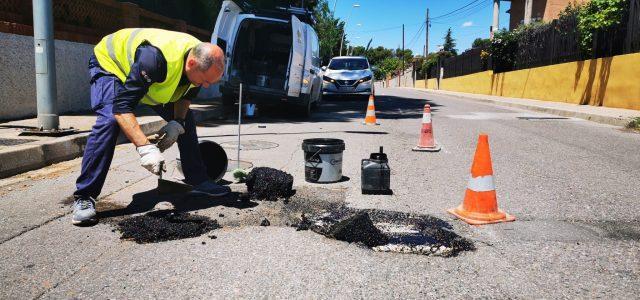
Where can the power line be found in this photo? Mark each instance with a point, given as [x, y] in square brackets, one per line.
[415, 37]
[456, 10]
[464, 13]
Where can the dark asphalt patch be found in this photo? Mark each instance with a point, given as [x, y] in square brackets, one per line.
[165, 225]
[269, 184]
[386, 231]
[618, 230]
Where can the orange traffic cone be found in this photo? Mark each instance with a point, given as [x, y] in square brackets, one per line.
[427, 143]
[480, 205]
[370, 118]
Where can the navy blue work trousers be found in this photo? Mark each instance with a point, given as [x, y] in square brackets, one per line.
[102, 140]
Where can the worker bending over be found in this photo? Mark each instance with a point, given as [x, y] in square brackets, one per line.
[159, 68]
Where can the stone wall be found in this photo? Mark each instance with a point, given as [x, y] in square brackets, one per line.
[18, 84]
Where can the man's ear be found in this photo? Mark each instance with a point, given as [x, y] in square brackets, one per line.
[191, 62]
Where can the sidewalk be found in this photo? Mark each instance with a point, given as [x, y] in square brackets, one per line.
[605, 115]
[19, 154]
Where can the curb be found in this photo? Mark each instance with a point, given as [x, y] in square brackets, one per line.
[19, 159]
[609, 120]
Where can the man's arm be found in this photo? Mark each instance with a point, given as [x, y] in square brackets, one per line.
[180, 109]
[131, 129]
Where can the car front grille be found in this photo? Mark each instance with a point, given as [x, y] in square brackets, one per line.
[346, 82]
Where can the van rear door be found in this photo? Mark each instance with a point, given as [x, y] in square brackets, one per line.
[298, 52]
[225, 31]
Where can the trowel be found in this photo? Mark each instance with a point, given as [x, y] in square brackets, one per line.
[168, 187]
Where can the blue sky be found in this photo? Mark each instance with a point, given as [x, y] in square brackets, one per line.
[382, 20]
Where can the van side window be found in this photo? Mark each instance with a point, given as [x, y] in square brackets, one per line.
[315, 51]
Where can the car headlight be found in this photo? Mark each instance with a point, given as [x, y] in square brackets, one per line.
[327, 79]
[365, 79]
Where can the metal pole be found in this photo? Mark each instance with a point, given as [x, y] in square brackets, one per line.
[496, 15]
[239, 121]
[402, 56]
[344, 29]
[45, 65]
[426, 42]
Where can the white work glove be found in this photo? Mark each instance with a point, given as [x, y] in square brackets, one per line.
[151, 158]
[169, 134]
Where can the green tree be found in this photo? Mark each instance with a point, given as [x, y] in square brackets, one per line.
[388, 66]
[358, 51]
[329, 29]
[481, 43]
[599, 15]
[449, 44]
[378, 54]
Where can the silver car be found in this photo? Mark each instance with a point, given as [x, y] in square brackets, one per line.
[347, 75]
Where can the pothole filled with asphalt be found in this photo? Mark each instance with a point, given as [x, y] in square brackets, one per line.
[319, 210]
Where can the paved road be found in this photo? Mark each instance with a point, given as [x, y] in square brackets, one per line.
[572, 184]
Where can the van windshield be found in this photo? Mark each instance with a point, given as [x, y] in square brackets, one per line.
[348, 64]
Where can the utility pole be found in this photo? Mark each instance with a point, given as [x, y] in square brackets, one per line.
[426, 40]
[402, 54]
[46, 92]
[45, 65]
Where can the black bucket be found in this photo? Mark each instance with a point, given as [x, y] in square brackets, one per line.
[323, 160]
[214, 158]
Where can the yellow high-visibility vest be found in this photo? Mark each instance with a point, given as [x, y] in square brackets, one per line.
[116, 53]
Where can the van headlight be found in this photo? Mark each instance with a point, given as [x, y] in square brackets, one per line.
[365, 79]
[327, 79]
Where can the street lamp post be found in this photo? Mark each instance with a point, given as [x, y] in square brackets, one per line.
[344, 29]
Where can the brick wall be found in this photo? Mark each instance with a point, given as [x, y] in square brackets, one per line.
[546, 10]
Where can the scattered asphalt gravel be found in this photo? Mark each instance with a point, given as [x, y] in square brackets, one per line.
[164, 225]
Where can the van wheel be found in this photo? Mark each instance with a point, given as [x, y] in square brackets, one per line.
[318, 101]
[305, 110]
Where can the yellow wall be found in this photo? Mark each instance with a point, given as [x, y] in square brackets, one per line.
[611, 81]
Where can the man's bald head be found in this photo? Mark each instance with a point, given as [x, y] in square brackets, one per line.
[208, 55]
[205, 64]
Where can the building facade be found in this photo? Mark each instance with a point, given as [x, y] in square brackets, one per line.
[526, 11]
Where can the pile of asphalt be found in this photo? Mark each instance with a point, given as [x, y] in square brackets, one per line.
[164, 225]
[269, 184]
[358, 229]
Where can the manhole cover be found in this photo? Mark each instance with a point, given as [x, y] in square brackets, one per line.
[249, 145]
[13, 142]
[233, 164]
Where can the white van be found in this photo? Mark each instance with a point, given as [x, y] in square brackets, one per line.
[274, 53]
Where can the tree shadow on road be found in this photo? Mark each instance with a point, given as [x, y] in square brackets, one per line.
[336, 110]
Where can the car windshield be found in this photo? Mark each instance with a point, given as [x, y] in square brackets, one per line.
[348, 64]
